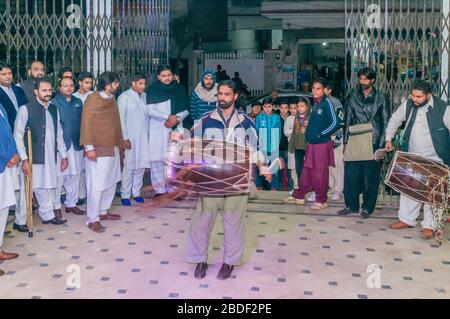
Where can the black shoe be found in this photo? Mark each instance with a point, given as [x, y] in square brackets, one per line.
[225, 271]
[346, 211]
[21, 228]
[55, 221]
[365, 214]
[81, 201]
[200, 270]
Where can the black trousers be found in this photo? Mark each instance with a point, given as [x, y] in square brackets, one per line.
[299, 160]
[361, 176]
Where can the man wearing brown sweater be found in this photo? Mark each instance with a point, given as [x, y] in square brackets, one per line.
[101, 136]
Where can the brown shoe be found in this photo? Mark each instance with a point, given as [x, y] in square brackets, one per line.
[399, 225]
[75, 210]
[109, 216]
[58, 213]
[7, 256]
[96, 227]
[1, 272]
[427, 234]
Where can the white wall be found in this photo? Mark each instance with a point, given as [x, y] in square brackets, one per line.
[243, 41]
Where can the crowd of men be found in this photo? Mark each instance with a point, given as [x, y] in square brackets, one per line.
[79, 134]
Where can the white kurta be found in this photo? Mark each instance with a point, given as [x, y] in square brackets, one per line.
[158, 134]
[105, 172]
[288, 129]
[135, 127]
[76, 162]
[44, 175]
[83, 96]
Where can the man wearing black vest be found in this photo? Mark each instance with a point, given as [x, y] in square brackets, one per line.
[12, 97]
[35, 71]
[47, 138]
[427, 132]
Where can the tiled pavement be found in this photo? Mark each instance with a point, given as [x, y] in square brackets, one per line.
[291, 252]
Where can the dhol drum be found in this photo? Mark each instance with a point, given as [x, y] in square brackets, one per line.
[211, 168]
[419, 178]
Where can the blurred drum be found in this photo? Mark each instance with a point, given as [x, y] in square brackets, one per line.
[212, 168]
[419, 178]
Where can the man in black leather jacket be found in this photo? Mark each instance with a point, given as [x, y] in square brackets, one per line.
[365, 104]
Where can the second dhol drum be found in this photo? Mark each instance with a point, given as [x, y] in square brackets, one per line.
[419, 178]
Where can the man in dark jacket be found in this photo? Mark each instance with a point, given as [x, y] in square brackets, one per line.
[36, 71]
[364, 105]
[204, 97]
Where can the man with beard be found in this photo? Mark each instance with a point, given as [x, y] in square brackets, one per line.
[225, 123]
[427, 132]
[101, 136]
[35, 71]
[12, 97]
[365, 105]
[69, 109]
[204, 97]
[42, 118]
[167, 107]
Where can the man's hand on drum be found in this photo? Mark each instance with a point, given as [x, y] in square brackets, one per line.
[389, 147]
[265, 171]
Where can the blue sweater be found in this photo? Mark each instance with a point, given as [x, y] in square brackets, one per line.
[199, 107]
[269, 131]
[323, 122]
[70, 119]
[211, 123]
[7, 143]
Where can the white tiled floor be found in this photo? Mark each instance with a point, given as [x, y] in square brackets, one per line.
[291, 252]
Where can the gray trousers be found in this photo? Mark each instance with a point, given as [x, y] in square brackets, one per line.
[202, 223]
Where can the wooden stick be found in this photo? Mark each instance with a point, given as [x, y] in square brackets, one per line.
[29, 186]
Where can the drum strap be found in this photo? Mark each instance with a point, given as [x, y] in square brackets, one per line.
[402, 134]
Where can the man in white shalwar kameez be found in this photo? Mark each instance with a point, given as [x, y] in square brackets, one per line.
[69, 110]
[12, 97]
[134, 121]
[101, 136]
[427, 133]
[167, 105]
[43, 119]
[85, 84]
[9, 180]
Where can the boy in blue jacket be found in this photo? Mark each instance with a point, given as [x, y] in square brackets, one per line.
[319, 151]
[268, 126]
